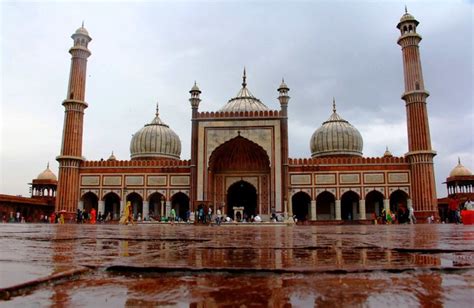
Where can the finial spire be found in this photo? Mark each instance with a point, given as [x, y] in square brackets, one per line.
[406, 10]
[82, 24]
[244, 78]
[157, 109]
[47, 166]
[333, 104]
[459, 160]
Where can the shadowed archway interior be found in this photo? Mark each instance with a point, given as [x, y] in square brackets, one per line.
[239, 154]
[242, 194]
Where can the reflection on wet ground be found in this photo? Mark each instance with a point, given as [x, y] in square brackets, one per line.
[237, 265]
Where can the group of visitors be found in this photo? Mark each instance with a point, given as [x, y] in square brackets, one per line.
[92, 217]
[403, 215]
[455, 206]
[54, 218]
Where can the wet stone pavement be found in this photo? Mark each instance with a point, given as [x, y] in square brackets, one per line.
[236, 265]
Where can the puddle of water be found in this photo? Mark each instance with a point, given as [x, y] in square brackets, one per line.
[13, 273]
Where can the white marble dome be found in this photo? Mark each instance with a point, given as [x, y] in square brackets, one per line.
[155, 141]
[336, 137]
[244, 101]
[460, 170]
[47, 174]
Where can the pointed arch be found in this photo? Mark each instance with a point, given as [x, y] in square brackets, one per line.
[399, 205]
[112, 205]
[242, 194]
[325, 206]
[374, 203]
[349, 205]
[301, 203]
[180, 203]
[239, 154]
[137, 203]
[90, 200]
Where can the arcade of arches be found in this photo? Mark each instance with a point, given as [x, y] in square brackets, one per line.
[154, 208]
[348, 207]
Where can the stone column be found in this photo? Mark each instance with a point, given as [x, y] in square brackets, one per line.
[289, 205]
[386, 204]
[338, 209]
[146, 210]
[362, 209]
[101, 208]
[162, 208]
[313, 210]
[168, 208]
[80, 205]
[122, 207]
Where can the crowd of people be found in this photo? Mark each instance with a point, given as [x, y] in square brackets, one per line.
[455, 206]
[53, 218]
[402, 215]
[205, 215]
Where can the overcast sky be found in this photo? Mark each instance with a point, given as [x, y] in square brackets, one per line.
[144, 52]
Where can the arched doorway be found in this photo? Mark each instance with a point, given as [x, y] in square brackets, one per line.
[243, 158]
[373, 204]
[112, 205]
[156, 206]
[180, 203]
[398, 205]
[242, 194]
[325, 206]
[137, 204]
[349, 205]
[90, 200]
[301, 203]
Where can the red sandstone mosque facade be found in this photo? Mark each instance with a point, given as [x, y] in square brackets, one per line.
[239, 158]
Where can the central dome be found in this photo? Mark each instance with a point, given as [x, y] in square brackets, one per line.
[155, 141]
[244, 101]
[336, 137]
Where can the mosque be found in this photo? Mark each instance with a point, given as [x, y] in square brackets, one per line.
[239, 158]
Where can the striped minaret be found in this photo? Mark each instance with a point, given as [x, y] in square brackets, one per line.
[71, 149]
[420, 153]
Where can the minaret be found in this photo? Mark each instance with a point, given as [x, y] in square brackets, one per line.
[284, 98]
[71, 149]
[194, 100]
[420, 153]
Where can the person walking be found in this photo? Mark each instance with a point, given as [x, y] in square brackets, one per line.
[218, 217]
[93, 216]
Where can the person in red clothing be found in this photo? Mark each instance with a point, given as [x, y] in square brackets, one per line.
[93, 216]
[453, 208]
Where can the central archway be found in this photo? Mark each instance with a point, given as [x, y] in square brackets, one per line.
[242, 194]
[240, 159]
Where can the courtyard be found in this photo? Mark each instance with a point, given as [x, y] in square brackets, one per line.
[236, 265]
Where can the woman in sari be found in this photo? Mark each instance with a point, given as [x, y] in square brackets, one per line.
[127, 215]
[93, 216]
